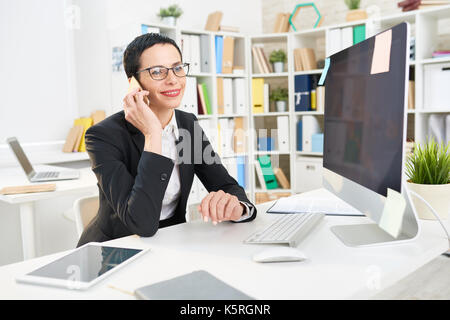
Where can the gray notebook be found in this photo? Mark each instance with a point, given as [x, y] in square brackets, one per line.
[197, 285]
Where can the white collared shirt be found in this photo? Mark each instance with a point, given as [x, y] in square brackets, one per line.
[170, 135]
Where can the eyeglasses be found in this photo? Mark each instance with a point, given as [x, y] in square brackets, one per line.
[160, 73]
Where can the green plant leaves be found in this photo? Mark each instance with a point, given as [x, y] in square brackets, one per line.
[277, 56]
[352, 4]
[429, 164]
[171, 11]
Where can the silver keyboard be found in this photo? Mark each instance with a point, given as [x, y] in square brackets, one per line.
[288, 228]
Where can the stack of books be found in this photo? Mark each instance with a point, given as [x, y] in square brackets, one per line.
[441, 54]
[261, 60]
[75, 138]
[203, 101]
[304, 59]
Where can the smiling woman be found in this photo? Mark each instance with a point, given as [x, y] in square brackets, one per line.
[145, 157]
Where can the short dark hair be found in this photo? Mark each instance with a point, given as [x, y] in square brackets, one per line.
[134, 50]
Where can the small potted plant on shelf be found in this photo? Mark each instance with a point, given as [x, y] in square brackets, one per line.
[280, 96]
[355, 13]
[278, 58]
[170, 14]
[428, 170]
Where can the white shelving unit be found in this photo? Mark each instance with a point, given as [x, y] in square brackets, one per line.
[424, 27]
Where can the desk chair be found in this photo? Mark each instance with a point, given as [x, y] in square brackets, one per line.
[85, 209]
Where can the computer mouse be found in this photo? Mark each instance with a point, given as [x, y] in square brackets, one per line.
[279, 254]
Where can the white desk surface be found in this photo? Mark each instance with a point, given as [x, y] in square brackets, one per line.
[14, 176]
[332, 271]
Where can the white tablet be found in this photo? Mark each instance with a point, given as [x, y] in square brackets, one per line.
[82, 268]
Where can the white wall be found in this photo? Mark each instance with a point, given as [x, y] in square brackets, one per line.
[101, 18]
[37, 97]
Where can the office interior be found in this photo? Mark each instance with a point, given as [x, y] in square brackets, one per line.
[61, 63]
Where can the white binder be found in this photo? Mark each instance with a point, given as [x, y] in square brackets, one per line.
[226, 136]
[186, 48]
[189, 101]
[346, 37]
[310, 126]
[334, 41]
[447, 129]
[209, 131]
[266, 98]
[239, 96]
[283, 133]
[228, 95]
[231, 165]
[436, 127]
[195, 67]
[205, 65]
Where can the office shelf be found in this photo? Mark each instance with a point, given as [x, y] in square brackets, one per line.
[270, 114]
[315, 71]
[270, 75]
[424, 28]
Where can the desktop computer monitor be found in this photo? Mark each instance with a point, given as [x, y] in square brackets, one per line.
[365, 131]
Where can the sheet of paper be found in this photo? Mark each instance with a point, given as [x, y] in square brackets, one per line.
[394, 209]
[313, 205]
[382, 52]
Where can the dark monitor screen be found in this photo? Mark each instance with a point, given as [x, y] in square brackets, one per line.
[364, 115]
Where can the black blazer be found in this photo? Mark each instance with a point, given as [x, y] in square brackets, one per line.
[132, 182]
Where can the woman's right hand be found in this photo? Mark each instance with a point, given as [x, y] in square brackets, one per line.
[139, 114]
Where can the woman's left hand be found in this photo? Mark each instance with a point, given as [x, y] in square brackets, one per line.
[221, 206]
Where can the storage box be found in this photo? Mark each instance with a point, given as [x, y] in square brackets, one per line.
[436, 93]
[308, 173]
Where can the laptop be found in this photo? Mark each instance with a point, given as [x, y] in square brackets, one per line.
[40, 176]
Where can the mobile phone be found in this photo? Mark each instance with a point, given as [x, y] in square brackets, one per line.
[135, 84]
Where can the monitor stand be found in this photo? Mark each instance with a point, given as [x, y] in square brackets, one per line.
[372, 205]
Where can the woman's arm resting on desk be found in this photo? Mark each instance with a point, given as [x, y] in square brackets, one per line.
[137, 201]
[224, 189]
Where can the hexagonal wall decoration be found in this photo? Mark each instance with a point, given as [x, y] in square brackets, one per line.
[297, 10]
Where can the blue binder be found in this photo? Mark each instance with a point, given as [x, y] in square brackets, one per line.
[302, 96]
[219, 53]
[299, 135]
[317, 142]
[240, 161]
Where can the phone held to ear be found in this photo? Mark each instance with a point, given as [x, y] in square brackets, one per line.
[135, 84]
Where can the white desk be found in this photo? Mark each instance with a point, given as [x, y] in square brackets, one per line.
[333, 271]
[15, 176]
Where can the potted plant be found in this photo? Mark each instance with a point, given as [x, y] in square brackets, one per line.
[278, 58]
[428, 170]
[280, 96]
[355, 13]
[170, 14]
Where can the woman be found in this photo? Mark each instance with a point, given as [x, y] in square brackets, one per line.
[145, 157]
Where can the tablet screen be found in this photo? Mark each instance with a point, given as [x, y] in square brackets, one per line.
[86, 263]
